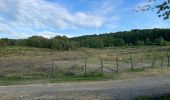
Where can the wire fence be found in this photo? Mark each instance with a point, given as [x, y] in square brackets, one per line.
[81, 67]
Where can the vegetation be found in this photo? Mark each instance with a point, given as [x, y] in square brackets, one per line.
[162, 8]
[137, 70]
[24, 65]
[126, 38]
[163, 97]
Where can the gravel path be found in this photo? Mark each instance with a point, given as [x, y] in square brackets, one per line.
[105, 90]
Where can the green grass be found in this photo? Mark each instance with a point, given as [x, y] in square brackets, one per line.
[14, 77]
[40, 77]
[15, 80]
[163, 97]
[137, 70]
[82, 78]
[39, 74]
[143, 98]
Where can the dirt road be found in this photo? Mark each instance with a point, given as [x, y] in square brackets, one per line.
[105, 90]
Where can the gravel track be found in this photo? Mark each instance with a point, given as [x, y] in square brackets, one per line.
[102, 90]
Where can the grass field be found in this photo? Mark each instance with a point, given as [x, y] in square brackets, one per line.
[26, 64]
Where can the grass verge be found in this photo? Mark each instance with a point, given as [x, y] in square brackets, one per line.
[14, 79]
[163, 97]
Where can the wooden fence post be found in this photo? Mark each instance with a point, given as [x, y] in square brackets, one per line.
[168, 59]
[21, 73]
[142, 62]
[162, 61]
[101, 67]
[52, 68]
[21, 70]
[131, 62]
[117, 65]
[153, 62]
[85, 68]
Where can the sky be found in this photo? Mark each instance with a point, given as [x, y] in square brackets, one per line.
[48, 18]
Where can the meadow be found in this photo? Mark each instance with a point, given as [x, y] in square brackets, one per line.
[28, 64]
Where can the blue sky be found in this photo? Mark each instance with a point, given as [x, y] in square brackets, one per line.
[24, 18]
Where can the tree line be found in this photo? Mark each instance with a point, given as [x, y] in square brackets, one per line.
[126, 38]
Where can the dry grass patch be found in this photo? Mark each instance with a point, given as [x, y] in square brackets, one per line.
[10, 97]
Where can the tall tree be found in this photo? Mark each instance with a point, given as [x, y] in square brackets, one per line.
[163, 9]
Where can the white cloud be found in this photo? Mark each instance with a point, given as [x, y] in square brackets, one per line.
[2, 5]
[47, 34]
[32, 15]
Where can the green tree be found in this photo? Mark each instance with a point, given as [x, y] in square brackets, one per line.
[37, 41]
[163, 9]
[140, 43]
[161, 41]
[118, 42]
[73, 45]
[60, 43]
[3, 43]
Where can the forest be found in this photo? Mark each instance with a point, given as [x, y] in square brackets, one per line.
[134, 37]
